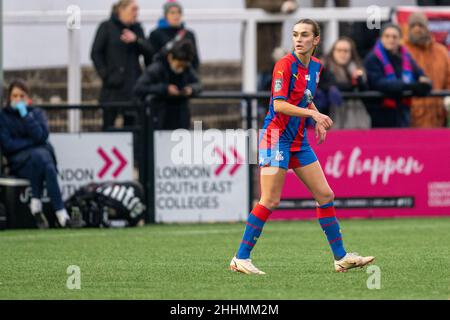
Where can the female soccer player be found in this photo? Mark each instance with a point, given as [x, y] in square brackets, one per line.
[283, 145]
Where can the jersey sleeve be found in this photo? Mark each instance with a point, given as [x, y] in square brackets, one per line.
[317, 87]
[281, 80]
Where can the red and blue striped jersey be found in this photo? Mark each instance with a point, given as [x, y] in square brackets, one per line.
[296, 84]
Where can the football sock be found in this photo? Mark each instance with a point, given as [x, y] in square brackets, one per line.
[253, 229]
[330, 225]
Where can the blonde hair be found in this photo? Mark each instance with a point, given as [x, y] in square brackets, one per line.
[121, 4]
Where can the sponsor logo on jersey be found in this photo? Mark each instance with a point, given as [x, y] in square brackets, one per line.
[278, 85]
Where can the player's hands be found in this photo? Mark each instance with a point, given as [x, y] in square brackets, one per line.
[322, 120]
[321, 133]
[172, 90]
[187, 91]
[128, 36]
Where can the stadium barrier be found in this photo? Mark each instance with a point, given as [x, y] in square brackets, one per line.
[376, 160]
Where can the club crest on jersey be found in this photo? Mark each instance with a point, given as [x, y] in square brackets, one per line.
[278, 85]
[309, 96]
[307, 77]
[279, 156]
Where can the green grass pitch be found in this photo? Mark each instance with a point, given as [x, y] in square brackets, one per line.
[191, 261]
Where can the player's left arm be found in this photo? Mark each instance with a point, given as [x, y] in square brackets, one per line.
[321, 132]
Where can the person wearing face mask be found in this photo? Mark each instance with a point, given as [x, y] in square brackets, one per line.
[24, 141]
[172, 27]
[119, 43]
[391, 70]
[172, 79]
[433, 58]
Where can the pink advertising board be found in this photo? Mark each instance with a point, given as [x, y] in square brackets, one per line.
[378, 173]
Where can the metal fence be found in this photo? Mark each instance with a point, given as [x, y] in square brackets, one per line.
[144, 128]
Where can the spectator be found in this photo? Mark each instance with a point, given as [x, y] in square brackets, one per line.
[24, 140]
[118, 45]
[172, 79]
[433, 58]
[171, 27]
[391, 70]
[345, 65]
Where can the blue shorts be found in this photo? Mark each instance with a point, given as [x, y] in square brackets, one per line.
[286, 159]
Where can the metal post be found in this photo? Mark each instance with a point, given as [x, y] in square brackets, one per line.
[248, 103]
[149, 148]
[1, 52]
[249, 66]
[74, 78]
[331, 34]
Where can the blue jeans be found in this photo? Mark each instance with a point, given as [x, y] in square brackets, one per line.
[39, 168]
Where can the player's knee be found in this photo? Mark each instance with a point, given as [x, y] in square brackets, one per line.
[325, 196]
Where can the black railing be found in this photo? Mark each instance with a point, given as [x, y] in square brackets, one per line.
[144, 128]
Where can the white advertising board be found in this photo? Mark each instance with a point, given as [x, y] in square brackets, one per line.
[92, 157]
[201, 177]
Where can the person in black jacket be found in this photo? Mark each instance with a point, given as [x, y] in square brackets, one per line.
[118, 45]
[391, 70]
[24, 141]
[172, 80]
[171, 27]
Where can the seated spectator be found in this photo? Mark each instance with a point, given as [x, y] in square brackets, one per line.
[172, 80]
[345, 65]
[24, 141]
[391, 70]
[117, 48]
[433, 58]
[171, 27]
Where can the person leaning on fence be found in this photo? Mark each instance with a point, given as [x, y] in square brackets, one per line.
[433, 58]
[172, 80]
[391, 70]
[24, 141]
[118, 45]
[346, 67]
[172, 27]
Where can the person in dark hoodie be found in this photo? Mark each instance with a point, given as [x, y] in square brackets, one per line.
[24, 141]
[391, 70]
[171, 27]
[172, 80]
[118, 45]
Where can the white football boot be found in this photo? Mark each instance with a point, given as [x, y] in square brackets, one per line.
[245, 266]
[350, 261]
